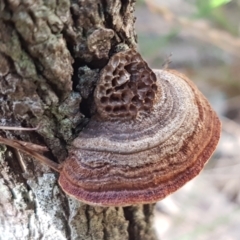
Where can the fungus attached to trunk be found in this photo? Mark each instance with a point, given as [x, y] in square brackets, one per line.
[153, 132]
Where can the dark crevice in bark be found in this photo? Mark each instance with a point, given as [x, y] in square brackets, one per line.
[67, 216]
[140, 221]
[124, 7]
[13, 163]
[87, 209]
[75, 78]
[105, 235]
[85, 107]
[97, 63]
[100, 10]
[128, 214]
[148, 210]
[107, 16]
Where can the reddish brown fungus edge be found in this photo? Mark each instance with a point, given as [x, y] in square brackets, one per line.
[150, 195]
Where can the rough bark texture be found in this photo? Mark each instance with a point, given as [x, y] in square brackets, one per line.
[51, 53]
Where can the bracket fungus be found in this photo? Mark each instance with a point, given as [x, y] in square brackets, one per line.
[153, 132]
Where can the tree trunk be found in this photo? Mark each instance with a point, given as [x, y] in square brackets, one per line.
[51, 53]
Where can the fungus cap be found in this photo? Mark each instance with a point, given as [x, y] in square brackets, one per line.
[153, 132]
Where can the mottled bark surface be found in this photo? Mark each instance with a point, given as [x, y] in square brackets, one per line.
[51, 53]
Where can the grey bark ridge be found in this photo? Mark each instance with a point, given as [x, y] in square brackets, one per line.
[51, 53]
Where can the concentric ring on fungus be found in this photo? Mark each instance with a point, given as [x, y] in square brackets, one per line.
[152, 133]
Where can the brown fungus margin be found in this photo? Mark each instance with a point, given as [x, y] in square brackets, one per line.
[141, 157]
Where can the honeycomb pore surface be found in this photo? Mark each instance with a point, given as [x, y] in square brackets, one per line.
[126, 86]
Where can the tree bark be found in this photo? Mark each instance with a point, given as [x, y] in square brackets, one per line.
[51, 53]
